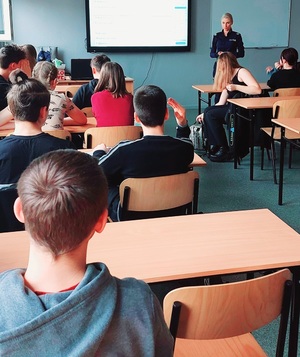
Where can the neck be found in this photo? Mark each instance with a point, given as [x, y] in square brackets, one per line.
[52, 274]
[27, 128]
[287, 66]
[4, 73]
[157, 130]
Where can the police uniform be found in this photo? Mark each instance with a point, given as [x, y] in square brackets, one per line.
[231, 43]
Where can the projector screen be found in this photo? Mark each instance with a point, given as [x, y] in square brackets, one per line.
[138, 25]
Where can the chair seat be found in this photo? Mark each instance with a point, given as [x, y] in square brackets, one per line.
[240, 346]
[291, 135]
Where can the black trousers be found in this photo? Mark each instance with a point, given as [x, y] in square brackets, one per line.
[214, 118]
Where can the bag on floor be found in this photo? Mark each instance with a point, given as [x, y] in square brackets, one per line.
[197, 136]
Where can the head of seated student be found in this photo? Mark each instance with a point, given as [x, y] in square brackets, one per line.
[28, 99]
[226, 65]
[96, 64]
[31, 54]
[62, 199]
[288, 58]
[46, 73]
[150, 106]
[112, 78]
[11, 57]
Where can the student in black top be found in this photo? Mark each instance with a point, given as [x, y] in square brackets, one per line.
[231, 79]
[287, 75]
[28, 101]
[155, 154]
[82, 97]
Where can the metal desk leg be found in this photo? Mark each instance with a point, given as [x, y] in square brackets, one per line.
[251, 117]
[199, 102]
[280, 191]
[234, 134]
[295, 312]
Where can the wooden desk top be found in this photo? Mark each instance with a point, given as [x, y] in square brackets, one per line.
[292, 124]
[172, 248]
[83, 81]
[91, 123]
[208, 88]
[260, 102]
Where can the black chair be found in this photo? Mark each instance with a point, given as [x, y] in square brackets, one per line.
[8, 221]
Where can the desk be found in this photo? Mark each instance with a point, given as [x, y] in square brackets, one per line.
[79, 129]
[171, 248]
[292, 124]
[252, 104]
[62, 86]
[208, 89]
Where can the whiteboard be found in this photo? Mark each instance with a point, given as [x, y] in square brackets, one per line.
[262, 23]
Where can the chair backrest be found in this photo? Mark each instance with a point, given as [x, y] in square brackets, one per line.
[71, 91]
[227, 310]
[88, 111]
[8, 221]
[159, 196]
[287, 108]
[286, 91]
[62, 134]
[111, 135]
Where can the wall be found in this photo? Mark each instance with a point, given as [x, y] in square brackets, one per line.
[62, 24]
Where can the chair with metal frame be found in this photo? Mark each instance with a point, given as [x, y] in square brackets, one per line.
[287, 108]
[159, 196]
[111, 135]
[217, 320]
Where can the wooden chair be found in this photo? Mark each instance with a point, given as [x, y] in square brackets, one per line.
[287, 108]
[286, 91]
[62, 134]
[217, 320]
[159, 196]
[88, 111]
[71, 91]
[111, 135]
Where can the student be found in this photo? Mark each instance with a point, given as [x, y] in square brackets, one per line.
[82, 97]
[11, 58]
[287, 75]
[112, 104]
[31, 55]
[60, 105]
[28, 101]
[227, 41]
[155, 154]
[60, 305]
[231, 79]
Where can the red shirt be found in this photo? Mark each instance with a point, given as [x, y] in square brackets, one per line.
[110, 111]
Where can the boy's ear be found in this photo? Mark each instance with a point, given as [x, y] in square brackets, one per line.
[167, 114]
[101, 221]
[18, 210]
[43, 113]
[136, 118]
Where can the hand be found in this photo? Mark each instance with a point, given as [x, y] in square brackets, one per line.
[269, 69]
[200, 118]
[102, 147]
[25, 67]
[278, 65]
[179, 112]
[231, 87]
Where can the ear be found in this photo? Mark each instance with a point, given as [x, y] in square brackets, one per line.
[167, 114]
[18, 210]
[136, 118]
[43, 113]
[94, 71]
[101, 221]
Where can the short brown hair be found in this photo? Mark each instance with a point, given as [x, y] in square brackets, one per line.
[63, 193]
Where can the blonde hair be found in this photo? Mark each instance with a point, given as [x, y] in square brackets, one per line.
[227, 15]
[45, 72]
[226, 65]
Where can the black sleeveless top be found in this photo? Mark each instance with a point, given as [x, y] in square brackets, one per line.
[236, 81]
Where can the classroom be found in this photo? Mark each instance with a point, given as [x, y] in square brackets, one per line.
[241, 216]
